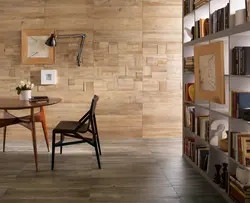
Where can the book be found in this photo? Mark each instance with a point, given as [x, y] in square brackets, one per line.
[39, 99]
[241, 60]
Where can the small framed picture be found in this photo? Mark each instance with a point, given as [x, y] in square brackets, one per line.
[48, 77]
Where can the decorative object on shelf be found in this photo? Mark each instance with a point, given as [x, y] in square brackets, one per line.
[191, 92]
[219, 135]
[240, 17]
[51, 42]
[188, 34]
[243, 175]
[224, 176]
[209, 72]
[34, 50]
[247, 10]
[48, 77]
[217, 178]
[24, 90]
[223, 144]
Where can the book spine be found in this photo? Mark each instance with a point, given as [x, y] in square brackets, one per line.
[244, 60]
[240, 61]
[237, 61]
[233, 62]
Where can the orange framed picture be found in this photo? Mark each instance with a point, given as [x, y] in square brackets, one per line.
[209, 72]
[33, 47]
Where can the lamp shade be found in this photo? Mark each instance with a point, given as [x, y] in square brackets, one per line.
[51, 41]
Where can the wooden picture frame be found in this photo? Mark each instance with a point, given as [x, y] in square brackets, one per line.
[209, 72]
[33, 47]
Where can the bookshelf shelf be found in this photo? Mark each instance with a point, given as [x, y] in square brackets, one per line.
[205, 175]
[219, 150]
[237, 30]
[202, 114]
[239, 164]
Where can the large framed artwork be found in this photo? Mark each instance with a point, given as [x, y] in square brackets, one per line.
[209, 72]
[34, 50]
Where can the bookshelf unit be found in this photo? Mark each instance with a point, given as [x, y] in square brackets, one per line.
[233, 36]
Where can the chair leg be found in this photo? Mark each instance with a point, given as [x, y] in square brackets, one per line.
[53, 151]
[98, 142]
[97, 135]
[61, 139]
[4, 137]
[97, 154]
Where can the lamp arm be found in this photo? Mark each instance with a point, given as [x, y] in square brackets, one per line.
[83, 36]
[78, 58]
[71, 36]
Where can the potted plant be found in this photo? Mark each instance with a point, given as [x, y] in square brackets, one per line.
[24, 90]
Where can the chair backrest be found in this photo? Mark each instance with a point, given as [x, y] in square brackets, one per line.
[93, 105]
[88, 117]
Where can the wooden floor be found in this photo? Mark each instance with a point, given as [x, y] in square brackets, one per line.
[134, 171]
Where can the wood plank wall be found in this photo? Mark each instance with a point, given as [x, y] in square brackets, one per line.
[132, 60]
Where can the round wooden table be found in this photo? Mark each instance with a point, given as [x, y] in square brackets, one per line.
[26, 121]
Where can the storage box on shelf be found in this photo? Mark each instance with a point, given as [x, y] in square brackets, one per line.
[199, 116]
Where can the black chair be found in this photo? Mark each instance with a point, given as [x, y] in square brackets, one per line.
[76, 129]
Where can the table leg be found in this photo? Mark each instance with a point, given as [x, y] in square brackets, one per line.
[44, 125]
[4, 137]
[33, 131]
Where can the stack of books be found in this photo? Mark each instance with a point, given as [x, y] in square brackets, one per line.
[201, 28]
[189, 64]
[199, 3]
[220, 19]
[240, 101]
[189, 117]
[202, 127]
[201, 156]
[240, 149]
[237, 191]
[189, 146]
[188, 6]
[241, 61]
[39, 99]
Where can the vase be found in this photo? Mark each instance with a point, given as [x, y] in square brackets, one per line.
[25, 95]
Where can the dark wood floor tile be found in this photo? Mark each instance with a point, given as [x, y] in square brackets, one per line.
[133, 171]
[194, 190]
[129, 182]
[58, 200]
[148, 200]
[131, 194]
[153, 172]
[33, 193]
[202, 199]
[184, 181]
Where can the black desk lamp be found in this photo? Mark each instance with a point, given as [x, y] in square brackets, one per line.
[51, 41]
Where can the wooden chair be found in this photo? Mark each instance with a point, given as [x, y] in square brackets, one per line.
[76, 129]
[39, 117]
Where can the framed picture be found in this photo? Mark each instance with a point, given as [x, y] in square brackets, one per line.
[34, 50]
[48, 77]
[209, 72]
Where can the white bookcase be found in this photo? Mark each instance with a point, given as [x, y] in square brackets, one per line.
[234, 36]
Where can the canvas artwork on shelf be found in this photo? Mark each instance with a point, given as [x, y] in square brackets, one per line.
[209, 72]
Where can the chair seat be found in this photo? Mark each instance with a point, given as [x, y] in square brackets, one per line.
[70, 126]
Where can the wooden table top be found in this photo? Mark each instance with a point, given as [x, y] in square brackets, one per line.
[15, 103]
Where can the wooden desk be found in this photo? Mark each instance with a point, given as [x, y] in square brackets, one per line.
[26, 121]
